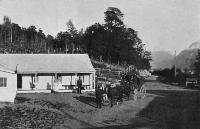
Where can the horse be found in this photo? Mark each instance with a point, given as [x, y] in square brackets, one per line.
[114, 92]
[127, 90]
[117, 90]
[111, 92]
[133, 83]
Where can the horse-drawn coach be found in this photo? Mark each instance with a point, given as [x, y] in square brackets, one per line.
[109, 91]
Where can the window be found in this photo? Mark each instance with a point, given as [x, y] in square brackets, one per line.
[3, 81]
[58, 78]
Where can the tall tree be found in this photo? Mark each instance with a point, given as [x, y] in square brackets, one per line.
[197, 64]
[94, 40]
[7, 30]
[63, 43]
[71, 28]
[114, 27]
[50, 43]
[114, 42]
[113, 17]
[73, 41]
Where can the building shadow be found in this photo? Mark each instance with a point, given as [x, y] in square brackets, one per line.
[173, 109]
[21, 100]
[91, 101]
[91, 94]
[169, 109]
[130, 126]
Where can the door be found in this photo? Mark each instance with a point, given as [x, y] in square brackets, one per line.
[19, 81]
[26, 82]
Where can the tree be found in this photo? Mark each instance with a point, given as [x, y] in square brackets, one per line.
[111, 41]
[6, 20]
[114, 30]
[50, 43]
[73, 41]
[7, 30]
[31, 33]
[115, 43]
[16, 39]
[93, 40]
[63, 42]
[113, 17]
[197, 64]
[71, 29]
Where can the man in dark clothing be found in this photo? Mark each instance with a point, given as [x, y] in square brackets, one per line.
[99, 96]
[79, 84]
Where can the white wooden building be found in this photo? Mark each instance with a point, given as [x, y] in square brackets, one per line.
[8, 85]
[28, 73]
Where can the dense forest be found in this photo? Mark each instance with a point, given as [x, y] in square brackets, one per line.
[111, 41]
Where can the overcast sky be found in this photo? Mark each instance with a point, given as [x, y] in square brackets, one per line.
[162, 24]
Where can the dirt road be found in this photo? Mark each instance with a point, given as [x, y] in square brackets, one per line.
[165, 106]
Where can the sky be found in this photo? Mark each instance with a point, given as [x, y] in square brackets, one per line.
[161, 24]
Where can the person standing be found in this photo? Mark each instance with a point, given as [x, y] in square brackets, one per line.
[99, 96]
[79, 84]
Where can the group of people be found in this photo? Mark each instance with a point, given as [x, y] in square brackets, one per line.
[102, 90]
[98, 92]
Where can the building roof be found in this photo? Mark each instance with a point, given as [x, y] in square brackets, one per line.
[46, 63]
[6, 70]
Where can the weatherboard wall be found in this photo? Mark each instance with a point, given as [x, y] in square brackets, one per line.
[8, 93]
[47, 82]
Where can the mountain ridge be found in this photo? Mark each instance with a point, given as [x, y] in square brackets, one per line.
[184, 60]
[161, 59]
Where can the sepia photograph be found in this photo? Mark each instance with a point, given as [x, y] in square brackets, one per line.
[99, 64]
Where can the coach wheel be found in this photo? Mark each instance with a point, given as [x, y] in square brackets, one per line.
[106, 102]
[142, 92]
